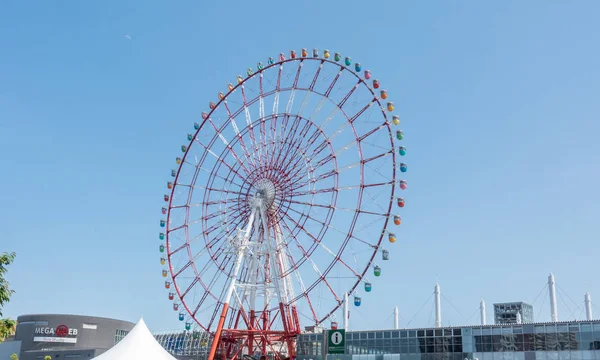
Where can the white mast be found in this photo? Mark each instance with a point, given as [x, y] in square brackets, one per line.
[552, 290]
[346, 317]
[438, 306]
[396, 317]
[482, 311]
[588, 306]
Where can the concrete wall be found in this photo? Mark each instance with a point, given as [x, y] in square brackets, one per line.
[78, 338]
[8, 348]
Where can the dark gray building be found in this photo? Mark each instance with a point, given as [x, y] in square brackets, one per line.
[70, 337]
[507, 313]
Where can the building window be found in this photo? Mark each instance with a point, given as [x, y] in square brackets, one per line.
[119, 335]
[90, 326]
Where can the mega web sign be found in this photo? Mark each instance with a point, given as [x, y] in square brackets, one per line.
[60, 334]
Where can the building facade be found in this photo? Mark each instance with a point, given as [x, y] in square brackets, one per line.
[69, 337]
[577, 340]
[509, 313]
[185, 345]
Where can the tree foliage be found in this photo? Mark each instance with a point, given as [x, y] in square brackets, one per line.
[7, 326]
[14, 357]
[5, 292]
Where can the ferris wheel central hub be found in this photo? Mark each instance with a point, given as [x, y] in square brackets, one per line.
[265, 190]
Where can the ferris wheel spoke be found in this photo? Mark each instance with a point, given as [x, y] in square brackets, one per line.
[347, 96]
[333, 82]
[220, 160]
[323, 246]
[360, 112]
[194, 282]
[315, 268]
[181, 247]
[249, 117]
[200, 302]
[352, 236]
[247, 154]
[226, 143]
[371, 132]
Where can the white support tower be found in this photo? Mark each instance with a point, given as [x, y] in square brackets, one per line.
[346, 317]
[438, 306]
[588, 306]
[396, 318]
[552, 290]
[482, 312]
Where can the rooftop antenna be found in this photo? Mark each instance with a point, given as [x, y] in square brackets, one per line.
[588, 306]
[438, 306]
[552, 290]
[396, 317]
[482, 311]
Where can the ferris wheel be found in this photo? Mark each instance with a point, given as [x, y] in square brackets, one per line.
[284, 202]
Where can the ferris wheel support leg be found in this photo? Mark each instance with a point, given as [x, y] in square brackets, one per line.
[251, 335]
[240, 247]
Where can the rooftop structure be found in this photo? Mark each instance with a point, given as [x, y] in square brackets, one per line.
[513, 313]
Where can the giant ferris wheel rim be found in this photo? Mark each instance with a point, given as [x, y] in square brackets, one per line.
[375, 101]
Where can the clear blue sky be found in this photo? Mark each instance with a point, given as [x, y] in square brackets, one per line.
[500, 103]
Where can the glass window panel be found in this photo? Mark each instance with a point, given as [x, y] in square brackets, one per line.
[379, 335]
[412, 333]
[403, 333]
[496, 344]
[496, 331]
[586, 327]
[420, 333]
[456, 332]
[476, 331]
[396, 334]
[517, 329]
[519, 346]
[551, 329]
[438, 332]
[486, 331]
[596, 327]
[540, 342]
[429, 332]
[562, 328]
[447, 332]
[387, 334]
[370, 335]
[587, 355]
[573, 328]
[539, 329]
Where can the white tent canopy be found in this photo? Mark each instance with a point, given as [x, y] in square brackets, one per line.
[139, 344]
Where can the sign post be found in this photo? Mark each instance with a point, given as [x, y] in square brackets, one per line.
[336, 341]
